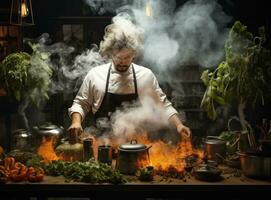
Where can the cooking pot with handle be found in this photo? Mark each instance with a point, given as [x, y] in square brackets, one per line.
[215, 146]
[132, 156]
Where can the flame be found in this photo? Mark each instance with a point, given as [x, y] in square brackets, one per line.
[46, 150]
[162, 156]
[24, 9]
[165, 156]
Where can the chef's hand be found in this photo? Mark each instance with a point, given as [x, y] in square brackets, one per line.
[184, 131]
[74, 131]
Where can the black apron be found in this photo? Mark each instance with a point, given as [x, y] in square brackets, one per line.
[111, 102]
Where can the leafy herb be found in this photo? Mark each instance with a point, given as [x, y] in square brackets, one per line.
[89, 172]
[242, 76]
[24, 75]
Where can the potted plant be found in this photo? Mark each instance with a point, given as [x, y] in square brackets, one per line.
[26, 77]
[242, 77]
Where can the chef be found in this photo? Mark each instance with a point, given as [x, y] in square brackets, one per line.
[107, 87]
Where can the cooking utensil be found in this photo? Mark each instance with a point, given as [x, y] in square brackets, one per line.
[256, 165]
[70, 152]
[130, 156]
[213, 146]
[22, 140]
[48, 131]
[207, 172]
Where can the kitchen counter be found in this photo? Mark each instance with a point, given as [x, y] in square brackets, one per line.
[229, 187]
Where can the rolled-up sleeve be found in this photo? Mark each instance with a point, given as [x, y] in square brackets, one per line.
[83, 100]
[169, 109]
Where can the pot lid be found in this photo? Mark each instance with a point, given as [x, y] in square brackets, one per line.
[132, 146]
[49, 129]
[48, 126]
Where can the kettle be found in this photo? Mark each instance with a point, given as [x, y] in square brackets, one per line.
[48, 131]
[22, 140]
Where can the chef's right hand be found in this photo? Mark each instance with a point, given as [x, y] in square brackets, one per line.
[74, 131]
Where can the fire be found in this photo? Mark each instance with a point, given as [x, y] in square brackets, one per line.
[162, 156]
[165, 156]
[46, 150]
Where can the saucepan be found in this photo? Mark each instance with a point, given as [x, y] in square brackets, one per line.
[129, 156]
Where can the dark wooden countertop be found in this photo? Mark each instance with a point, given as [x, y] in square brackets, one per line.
[229, 187]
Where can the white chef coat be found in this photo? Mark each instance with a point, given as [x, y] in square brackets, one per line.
[92, 90]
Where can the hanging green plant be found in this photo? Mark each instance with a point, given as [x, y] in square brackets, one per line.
[243, 75]
[26, 75]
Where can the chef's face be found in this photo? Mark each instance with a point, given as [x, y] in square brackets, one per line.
[122, 59]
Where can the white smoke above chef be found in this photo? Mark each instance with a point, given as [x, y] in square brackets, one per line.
[191, 34]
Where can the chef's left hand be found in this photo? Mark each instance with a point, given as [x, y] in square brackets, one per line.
[184, 131]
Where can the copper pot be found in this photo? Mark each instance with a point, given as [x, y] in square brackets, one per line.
[256, 165]
[215, 148]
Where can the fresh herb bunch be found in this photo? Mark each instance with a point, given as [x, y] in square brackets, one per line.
[24, 75]
[243, 75]
[89, 172]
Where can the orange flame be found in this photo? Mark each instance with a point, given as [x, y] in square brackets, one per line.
[46, 150]
[165, 156]
[162, 156]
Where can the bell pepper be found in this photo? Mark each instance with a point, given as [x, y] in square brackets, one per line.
[18, 173]
[9, 163]
[35, 174]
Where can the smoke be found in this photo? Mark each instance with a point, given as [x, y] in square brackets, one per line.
[192, 34]
[100, 7]
[69, 70]
[138, 119]
[21, 110]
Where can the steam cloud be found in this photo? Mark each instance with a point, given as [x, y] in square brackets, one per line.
[139, 119]
[194, 33]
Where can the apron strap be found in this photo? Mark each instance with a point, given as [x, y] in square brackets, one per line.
[107, 79]
[135, 82]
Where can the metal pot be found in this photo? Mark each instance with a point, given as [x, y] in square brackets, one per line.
[256, 165]
[22, 140]
[206, 172]
[130, 155]
[48, 131]
[214, 146]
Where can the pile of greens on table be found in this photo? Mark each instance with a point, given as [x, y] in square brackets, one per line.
[89, 172]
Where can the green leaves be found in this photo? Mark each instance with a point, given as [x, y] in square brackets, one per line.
[241, 75]
[89, 172]
[24, 75]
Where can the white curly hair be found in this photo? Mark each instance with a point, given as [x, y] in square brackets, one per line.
[122, 33]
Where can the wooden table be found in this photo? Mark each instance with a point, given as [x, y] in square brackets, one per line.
[228, 188]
